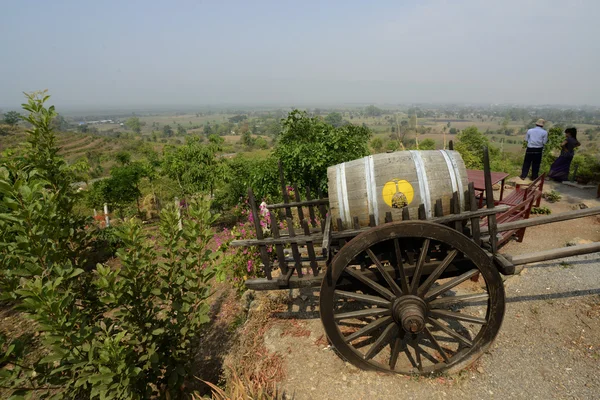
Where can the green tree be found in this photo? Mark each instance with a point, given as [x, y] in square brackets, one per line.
[120, 190]
[181, 131]
[167, 131]
[470, 145]
[123, 157]
[12, 118]
[427, 144]
[334, 119]
[194, 166]
[134, 124]
[372, 111]
[377, 144]
[247, 139]
[307, 146]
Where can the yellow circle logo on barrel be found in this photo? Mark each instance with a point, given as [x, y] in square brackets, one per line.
[398, 193]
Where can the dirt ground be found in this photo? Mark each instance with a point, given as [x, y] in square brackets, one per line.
[547, 348]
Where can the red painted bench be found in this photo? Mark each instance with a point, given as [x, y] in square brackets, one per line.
[522, 192]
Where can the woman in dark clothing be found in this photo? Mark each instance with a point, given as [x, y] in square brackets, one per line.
[559, 171]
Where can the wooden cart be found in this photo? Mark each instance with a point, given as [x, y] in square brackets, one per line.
[408, 296]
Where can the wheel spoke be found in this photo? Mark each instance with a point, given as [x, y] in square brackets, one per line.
[390, 281]
[365, 298]
[436, 345]
[447, 286]
[449, 300]
[436, 274]
[458, 316]
[415, 344]
[400, 266]
[369, 312]
[385, 336]
[369, 282]
[419, 267]
[370, 327]
[450, 332]
[395, 352]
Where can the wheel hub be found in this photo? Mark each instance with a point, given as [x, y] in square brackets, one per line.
[409, 312]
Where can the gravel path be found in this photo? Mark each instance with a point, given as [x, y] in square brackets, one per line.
[548, 347]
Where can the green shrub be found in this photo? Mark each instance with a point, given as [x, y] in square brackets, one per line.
[541, 210]
[122, 332]
[552, 196]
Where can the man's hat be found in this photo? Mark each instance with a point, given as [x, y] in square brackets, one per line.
[540, 122]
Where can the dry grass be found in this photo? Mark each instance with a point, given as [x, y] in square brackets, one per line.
[251, 370]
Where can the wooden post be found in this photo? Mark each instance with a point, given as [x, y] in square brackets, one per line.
[489, 198]
[106, 217]
[177, 205]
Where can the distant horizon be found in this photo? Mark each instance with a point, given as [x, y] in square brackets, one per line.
[100, 108]
[153, 53]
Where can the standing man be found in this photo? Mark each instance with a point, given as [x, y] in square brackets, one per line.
[536, 139]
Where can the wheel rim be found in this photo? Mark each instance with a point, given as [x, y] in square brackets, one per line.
[402, 298]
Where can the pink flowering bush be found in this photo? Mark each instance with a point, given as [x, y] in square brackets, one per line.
[241, 263]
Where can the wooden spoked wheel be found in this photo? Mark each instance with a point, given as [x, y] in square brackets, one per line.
[402, 298]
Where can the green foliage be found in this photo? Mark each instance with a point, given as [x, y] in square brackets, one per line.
[167, 131]
[260, 174]
[588, 167]
[12, 118]
[552, 197]
[427, 144]
[377, 144]
[122, 332]
[307, 146]
[119, 190]
[541, 210]
[372, 111]
[334, 119]
[37, 197]
[134, 124]
[195, 166]
[470, 145]
[555, 138]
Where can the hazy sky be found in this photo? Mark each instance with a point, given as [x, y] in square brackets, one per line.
[137, 53]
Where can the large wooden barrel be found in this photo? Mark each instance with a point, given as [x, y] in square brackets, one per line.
[385, 182]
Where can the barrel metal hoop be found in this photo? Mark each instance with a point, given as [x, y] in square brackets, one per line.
[342, 192]
[371, 188]
[423, 182]
[461, 189]
[450, 171]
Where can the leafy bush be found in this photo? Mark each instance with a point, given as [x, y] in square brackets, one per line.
[552, 196]
[541, 210]
[307, 146]
[111, 332]
[588, 167]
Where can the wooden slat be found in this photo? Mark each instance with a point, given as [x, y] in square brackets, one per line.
[340, 228]
[355, 223]
[278, 247]
[475, 228]
[284, 193]
[554, 254]
[422, 214]
[264, 256]
[304, 203]
[388, 217]
[489, 194]
[405, 214]
[310, 249]
[438, 210]
[326, 237]
[342, 233]
[299, 202]
[295, 252]
[455, 209]
[311, 210]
